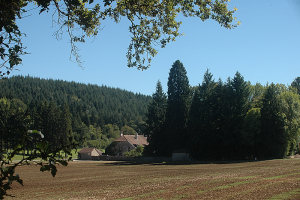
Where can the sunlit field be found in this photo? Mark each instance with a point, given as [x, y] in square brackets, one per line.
[273, 179]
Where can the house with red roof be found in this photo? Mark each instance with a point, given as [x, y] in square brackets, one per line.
[125, 143]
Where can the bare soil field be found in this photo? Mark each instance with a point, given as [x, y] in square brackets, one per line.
[273, 179]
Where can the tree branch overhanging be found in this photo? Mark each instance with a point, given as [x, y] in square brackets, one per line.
[152, 22]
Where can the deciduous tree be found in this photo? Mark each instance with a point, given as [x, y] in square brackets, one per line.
[152, 22]
[273, 138]
[15, 133]
[290, 108]
[296, 84]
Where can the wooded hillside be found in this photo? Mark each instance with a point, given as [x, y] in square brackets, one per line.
[92, 104]
[97, 112]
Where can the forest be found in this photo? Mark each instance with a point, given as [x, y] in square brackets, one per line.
[64, 112]
[217, 120]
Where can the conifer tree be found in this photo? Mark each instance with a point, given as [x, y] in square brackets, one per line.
[195, 112]
[237, 107]
[251, 132]
[273, 140]
[178, 107]
[156, 121]
[65, 136]
[201, 113]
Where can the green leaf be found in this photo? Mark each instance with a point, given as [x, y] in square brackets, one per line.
[53, 170]
[45, 168]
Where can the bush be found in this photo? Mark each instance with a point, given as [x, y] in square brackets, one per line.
[137, 152]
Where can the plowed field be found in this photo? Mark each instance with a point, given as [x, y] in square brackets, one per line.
[273, 179]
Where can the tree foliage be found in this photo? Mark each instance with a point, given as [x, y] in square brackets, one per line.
[152, 22]
[90, 115]
[290, 109]
[136, 152]
[229, 120]
[156, 121]
[296, 84]
[127, 130]
[251, 134]
[274, 138]
[91, 104]
[202, 117]
[178, 103]
[46, 149]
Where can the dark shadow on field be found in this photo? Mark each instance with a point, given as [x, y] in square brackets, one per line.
[120, 163]
[168, 161]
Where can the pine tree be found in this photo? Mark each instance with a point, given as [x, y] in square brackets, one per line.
[251, 132]
[273, 140]
[65, 135]
[195, 112]
[156, 121]
[238, 94]
[178, 107]
[200, 122]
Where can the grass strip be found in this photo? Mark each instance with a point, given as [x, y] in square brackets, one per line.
[281, 176]
[286, 195]
[222, 187]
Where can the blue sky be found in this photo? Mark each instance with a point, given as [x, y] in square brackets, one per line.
[264, 48]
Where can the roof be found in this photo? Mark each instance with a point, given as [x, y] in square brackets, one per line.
[140, 141]
[89, 150]
[120, 139]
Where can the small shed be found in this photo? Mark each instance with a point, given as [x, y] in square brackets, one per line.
[180, 155]
[88, 153]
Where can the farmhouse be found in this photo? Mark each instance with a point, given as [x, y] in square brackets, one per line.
[88, 153]
[125, 143]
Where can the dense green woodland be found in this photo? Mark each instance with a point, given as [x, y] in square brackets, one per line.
[215, 120]
[97, 114]
[223, 120]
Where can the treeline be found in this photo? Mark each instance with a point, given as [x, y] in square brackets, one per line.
[97, 114]
[223, 120]
[17, 121]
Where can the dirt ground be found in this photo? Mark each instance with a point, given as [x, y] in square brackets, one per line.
[273, 179]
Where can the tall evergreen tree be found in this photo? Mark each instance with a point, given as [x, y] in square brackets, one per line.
[238, 97]
[55, 124]
[201, 112]
[156, 121]
[273, 140]
[195, 112]
[217, 121]
[65, 135]
[178, 106]
[251, 131]
[14, 122]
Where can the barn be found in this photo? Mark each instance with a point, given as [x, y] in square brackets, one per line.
[88, 153]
